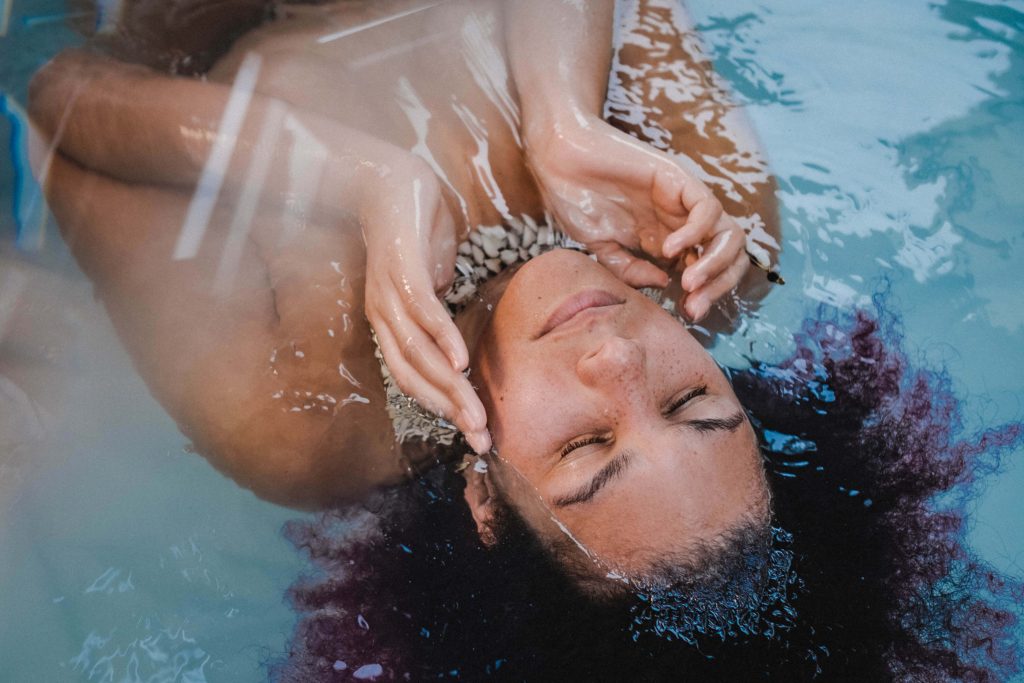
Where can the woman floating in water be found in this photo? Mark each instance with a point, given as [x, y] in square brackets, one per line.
[623, 522]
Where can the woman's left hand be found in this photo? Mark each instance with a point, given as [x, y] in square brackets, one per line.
[411, 237]
[620, 196]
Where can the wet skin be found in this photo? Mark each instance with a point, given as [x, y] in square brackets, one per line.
[236, 372]
[620, 422]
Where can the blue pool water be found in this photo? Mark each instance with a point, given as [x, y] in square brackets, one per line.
[896, 130]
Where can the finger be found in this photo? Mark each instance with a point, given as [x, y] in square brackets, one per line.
[716, 257]
[705, 213]
[423, 373]
[666, 195]
[419, 350]
[429, 395]
[430, 314]
[634, 271]
[406, 376]
[697, 304]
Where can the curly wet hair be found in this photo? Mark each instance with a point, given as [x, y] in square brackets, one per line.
[859, 446]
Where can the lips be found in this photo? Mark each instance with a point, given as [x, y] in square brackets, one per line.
[577, 304]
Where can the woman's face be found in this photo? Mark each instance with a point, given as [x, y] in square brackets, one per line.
[614, 415]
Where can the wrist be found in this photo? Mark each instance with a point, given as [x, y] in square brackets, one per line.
[378, 182]
[554, 132]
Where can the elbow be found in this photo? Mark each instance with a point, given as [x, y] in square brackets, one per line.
[305, 470]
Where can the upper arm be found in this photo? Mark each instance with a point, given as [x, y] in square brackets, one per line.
[268, 370]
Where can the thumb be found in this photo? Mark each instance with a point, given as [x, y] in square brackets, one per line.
[634, 271]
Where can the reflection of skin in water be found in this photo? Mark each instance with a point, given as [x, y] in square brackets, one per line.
[278, 388]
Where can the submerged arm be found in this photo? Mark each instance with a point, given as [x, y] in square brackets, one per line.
[252, 334]
[166, 129]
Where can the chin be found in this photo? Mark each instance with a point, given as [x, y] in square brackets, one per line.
[558, 273]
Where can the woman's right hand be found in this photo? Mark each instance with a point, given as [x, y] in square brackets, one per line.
[411, 240]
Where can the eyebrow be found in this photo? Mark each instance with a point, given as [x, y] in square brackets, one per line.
[614, 468]
[620, 462]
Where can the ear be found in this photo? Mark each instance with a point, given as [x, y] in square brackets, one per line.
[480, 497]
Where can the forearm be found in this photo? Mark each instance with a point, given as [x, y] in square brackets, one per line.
[560, 53]
[134, 124]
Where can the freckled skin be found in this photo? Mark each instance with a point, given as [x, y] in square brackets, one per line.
[612, 375]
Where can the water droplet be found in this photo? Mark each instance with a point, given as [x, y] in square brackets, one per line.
[368, 671]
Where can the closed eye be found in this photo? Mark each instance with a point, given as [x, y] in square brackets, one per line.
[580, 443]
[670, 410]
[713, 424]
[684, 399]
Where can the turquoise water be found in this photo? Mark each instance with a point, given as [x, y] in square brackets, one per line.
[897, 134]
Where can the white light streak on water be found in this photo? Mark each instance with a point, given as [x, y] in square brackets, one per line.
[12, 283]
[56, 18]
[348, 376]
[486, 63]
[5, 17]
[419, 117]
[241, 222]
[203, 199]
[34, 239]
[481, 160]
[383, 55]
[374, 24]
[305, 168]
[108, 14]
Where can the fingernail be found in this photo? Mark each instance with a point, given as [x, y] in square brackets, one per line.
[694, 282]
[691, 308]
[668, 248]
[701, 310]
[480, 441]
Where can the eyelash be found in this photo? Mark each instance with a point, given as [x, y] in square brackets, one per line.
[676, 405]
[580, 443]
[686, 398]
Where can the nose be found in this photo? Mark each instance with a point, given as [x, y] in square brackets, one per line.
[616, 363]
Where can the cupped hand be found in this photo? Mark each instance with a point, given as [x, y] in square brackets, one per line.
[623, 198]
[410, 239]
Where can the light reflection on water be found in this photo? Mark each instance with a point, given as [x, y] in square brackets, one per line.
[896, 131]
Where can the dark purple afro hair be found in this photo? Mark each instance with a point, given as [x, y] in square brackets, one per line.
[874, 582]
